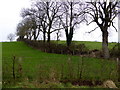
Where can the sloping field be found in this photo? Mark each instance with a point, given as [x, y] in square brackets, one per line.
[36, 65]
[90, 44]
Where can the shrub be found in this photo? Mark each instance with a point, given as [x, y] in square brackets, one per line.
[115, 51]
[53, 47]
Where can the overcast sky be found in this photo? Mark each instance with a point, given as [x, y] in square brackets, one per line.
[10, 17]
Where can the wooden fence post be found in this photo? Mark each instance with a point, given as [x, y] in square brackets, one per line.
[118, 59]
[13, 68]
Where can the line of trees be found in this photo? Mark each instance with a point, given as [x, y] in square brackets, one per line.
[49, 17]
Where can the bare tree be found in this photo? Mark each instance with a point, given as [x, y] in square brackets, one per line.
[21, 31]
[71, 17]
[27, 27]
[42, 18]
[11, 37]
[45, 13]
[32, 22]
[51, 10]
[103, 14]
[58, 34]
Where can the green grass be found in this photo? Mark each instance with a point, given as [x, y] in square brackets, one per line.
[37, 65]
[90, 44]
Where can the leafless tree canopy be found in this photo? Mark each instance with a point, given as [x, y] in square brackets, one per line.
[50, 16]
[71, 16]
[53, 16]
[103, 13]
[11, 37]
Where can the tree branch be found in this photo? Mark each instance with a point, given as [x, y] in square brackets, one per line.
[114, 27]
[90, 22]
[56, 30]
[92, 30]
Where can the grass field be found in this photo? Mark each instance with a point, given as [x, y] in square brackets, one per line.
[90, 44]
[37, 65]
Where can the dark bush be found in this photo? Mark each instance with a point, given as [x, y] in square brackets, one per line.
[115, 51]
[78, 49]
[53, 47]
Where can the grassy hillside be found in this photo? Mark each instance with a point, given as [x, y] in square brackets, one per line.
[90, 44]
[37, 65]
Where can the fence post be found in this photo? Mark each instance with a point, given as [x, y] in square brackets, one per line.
[81, 69]
[118, 69]
[13, 68]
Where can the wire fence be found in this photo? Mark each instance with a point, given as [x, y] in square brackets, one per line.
[67, 68]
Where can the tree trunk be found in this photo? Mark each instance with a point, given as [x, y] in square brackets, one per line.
[69, 36]
[68, 42]
[48, 40]
[69, 39]
[27, 36]
[37, 34]
[105, 44]
[30, 37]
[44, 36]
[34, 35]
[50, 25]
[20, 38]
[57, 36]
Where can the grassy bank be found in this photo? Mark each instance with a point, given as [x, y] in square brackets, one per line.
[91, 44]
[39, 66]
